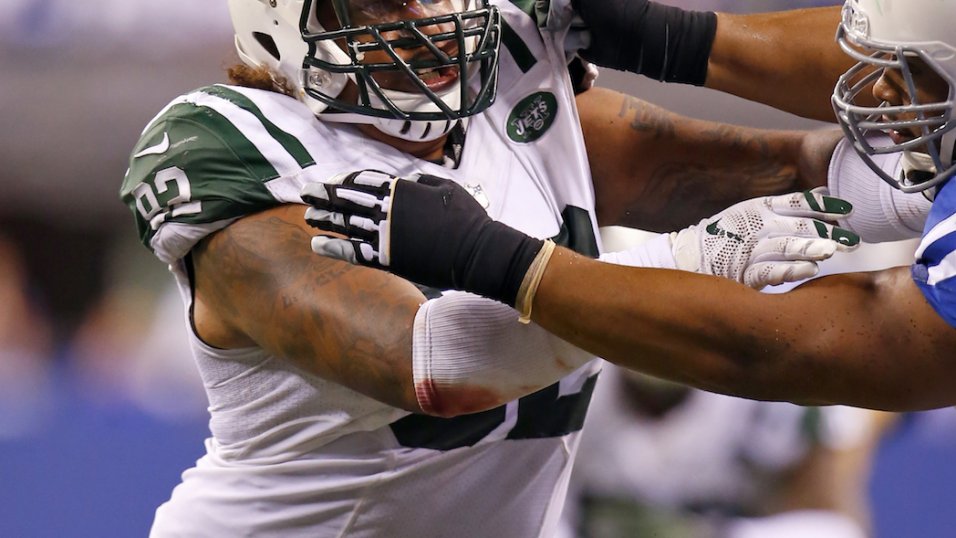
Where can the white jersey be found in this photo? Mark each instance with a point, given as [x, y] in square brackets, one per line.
[294, 455]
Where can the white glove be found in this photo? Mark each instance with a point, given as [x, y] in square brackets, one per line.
[766, 241]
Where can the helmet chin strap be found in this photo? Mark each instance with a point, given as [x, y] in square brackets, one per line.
[920, 166]
[414, 131]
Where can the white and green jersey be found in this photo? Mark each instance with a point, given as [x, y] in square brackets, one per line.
[294, 455]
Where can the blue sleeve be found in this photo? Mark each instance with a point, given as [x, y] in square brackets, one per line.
[935, 268]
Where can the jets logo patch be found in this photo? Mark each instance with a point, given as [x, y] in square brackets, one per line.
[532, 117]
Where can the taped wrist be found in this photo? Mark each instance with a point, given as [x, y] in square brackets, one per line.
[665, 43]
[469, 354]
[532, 278]
[880, 212]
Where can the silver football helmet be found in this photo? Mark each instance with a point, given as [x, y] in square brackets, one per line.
[418, 66]
[890, 34]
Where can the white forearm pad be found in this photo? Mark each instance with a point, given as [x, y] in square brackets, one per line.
[796, 524]
[655, 252]
[470, 354]
[880, 212]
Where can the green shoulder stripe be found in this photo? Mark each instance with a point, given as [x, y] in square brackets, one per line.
[289, 142]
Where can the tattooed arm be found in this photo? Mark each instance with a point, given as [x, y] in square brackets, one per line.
[257, 283]
[656, 170]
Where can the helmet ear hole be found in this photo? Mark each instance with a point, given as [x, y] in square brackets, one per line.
[267, 43]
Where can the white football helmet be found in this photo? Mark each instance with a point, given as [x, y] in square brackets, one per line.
[453, 39]
[888, 34]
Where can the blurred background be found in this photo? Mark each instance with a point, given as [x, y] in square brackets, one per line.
[100, 405]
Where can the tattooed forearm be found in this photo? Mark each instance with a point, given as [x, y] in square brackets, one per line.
[690, 169]
[657, 170]
[679, 195]
[646, 118]
[739, 141]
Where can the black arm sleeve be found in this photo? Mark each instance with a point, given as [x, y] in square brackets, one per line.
[661, 42]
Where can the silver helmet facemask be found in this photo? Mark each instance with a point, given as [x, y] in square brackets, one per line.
[928, 157]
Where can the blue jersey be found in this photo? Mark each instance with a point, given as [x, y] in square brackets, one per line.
[935, 267]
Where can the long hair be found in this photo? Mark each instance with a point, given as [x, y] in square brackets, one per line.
[260, 78]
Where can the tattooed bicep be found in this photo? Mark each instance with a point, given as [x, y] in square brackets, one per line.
[348, 324]
[261, 272]
[269, 249]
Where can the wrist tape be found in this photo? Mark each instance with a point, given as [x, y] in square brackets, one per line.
[656, 252]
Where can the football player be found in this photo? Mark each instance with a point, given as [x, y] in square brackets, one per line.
[347, 402]
[883, 340]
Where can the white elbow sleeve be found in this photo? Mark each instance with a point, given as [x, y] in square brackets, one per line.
[880, 212]
[470, 353]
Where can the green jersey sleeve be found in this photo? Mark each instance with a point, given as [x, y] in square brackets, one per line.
[205, 161]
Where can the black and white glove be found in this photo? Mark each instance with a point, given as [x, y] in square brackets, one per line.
[426, 229]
